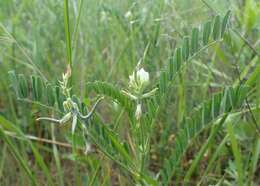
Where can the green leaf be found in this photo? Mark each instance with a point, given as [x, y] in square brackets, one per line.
[170, 68]
[216, 28]
[40, 88]
[178, 58]
[14, 81]
[112, 91]
[163, 82]
[37, 88]
[206, 32]
[225, 22]
[60, 98]
[50, 95]
[23, 86]
[34, 87]
[194, 40]
[186, 48]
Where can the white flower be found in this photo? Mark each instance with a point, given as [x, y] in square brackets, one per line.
[138, 80]
[128, 14]
[103, 16]
[138, 112]
[142, 76]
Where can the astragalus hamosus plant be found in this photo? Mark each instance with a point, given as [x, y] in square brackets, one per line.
[141, 102]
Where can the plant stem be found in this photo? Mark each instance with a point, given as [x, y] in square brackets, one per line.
[68, 40]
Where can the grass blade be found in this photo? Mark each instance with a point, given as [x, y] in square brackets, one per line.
[237, 154]
[194, 40]
[18, 157]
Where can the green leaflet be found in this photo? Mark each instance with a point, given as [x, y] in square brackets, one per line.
[59, 98]
[14, 81]
[194, 40]
[186, 48]
[225, 23]
[39, 88]
[178, 55]
[23, 86]
[50, 95]
[206, 32]
[216, 28]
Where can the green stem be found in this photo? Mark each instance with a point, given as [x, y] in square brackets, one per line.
[143, 147]
[68, 40]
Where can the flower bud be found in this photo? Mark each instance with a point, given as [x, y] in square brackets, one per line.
[66, 118]
[128, 14]
[67, 74]
[138, 112]
[88, 148]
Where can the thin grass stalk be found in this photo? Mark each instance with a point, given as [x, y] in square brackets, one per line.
[68, 39]
[204, 148]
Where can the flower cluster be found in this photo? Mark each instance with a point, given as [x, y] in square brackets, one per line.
[138, 82]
